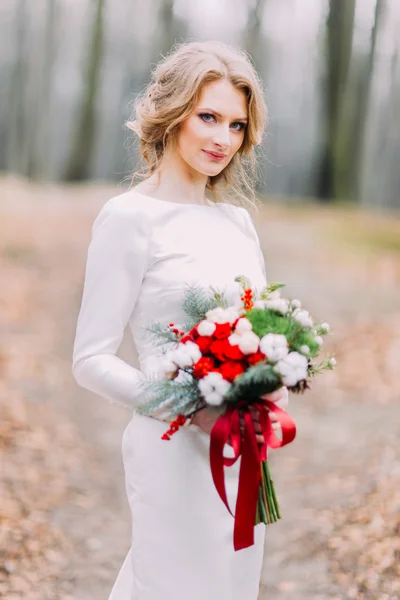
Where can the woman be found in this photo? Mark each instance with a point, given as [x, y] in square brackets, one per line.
[198, 121]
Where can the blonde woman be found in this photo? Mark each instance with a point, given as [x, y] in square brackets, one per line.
[199, 121]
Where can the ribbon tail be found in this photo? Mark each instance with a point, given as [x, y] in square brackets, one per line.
[218, 438]
[249, 483]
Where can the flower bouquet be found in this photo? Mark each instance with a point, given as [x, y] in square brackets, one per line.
[230, 357]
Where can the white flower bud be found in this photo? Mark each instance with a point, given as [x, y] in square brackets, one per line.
[325, 328]
[295, 303]
[303, 317]
[332, 361]
[319, 340]
[304, 349]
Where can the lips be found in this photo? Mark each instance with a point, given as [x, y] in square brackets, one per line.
[214, 155]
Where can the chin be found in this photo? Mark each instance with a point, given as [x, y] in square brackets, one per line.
[209, 171]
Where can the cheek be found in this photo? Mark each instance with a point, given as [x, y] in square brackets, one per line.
[192, 131]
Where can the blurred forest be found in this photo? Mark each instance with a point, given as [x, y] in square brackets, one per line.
[70, 69]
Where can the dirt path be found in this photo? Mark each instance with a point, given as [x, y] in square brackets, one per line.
[338, 438]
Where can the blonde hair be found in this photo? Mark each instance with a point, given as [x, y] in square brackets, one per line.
[171, 96]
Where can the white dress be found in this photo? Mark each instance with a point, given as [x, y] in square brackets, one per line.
[142, 253]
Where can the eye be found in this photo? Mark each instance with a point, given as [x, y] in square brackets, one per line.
[206, 119]
[204, 115]
[241, 126]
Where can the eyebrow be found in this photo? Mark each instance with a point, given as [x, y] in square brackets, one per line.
[219, 114]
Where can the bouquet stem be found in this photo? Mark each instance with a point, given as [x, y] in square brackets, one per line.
[268, 507]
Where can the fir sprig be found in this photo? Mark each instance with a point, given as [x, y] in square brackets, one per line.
[159, 335]
[250, 385]
[182, 397]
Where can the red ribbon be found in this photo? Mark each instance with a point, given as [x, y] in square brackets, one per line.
[252, 454]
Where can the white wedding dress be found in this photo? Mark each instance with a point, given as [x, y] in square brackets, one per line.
[142, 253]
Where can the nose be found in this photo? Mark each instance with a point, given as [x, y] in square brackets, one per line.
[222, 138]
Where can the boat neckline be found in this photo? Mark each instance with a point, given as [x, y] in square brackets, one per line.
[210, 205]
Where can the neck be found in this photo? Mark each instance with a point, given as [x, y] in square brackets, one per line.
[176, 180]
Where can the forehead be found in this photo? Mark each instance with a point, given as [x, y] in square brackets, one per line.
[224, 98]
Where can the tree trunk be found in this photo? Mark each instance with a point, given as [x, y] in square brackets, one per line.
[364, 94]
[82, 146]
[339, 44]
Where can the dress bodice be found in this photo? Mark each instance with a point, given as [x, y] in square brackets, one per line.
[143, 253]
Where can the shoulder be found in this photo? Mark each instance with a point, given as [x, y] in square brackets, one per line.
[246, 219]
[122, 213]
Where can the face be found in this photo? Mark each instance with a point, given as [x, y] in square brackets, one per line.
[210, 137]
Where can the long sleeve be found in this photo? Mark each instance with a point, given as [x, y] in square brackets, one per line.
[116, 264]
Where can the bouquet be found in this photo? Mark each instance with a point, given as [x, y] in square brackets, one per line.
[230, 357]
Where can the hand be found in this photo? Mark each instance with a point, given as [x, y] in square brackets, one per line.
[205, 418]
[281, 399]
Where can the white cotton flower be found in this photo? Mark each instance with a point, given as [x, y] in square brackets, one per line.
[280, 304]
[325, 328]
[186, 355]
[304, 349]
[234, 339]
[274, 346]
[243, 325]
[248, 342]
[182, 358]
[295, 303]
[303, 317]
[319, 340]
[259, 304]
[233, 314]
[193, 350]
[213, 387]
[222, 315]
[167, 365]
[292, 368]
[206, 327]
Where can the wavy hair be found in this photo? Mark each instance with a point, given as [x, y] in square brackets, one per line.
[172, 94]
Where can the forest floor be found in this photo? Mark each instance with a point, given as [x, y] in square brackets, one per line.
[64, 519]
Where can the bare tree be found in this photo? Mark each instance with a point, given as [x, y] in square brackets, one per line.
[340, 26]
[363, 96]
[82, 146]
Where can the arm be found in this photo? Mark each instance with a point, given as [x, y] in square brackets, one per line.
[116, 265]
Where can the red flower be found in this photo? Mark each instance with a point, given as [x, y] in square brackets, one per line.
[255, 358]
[222, 331]
[231, 369]
[203, 366]
[232, 352]
[186, 338]
[217, 349]
[193, 332]
[204, 342]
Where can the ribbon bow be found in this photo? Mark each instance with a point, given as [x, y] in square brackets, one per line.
[252, 454]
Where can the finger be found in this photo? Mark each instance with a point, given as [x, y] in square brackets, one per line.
[280, 395]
